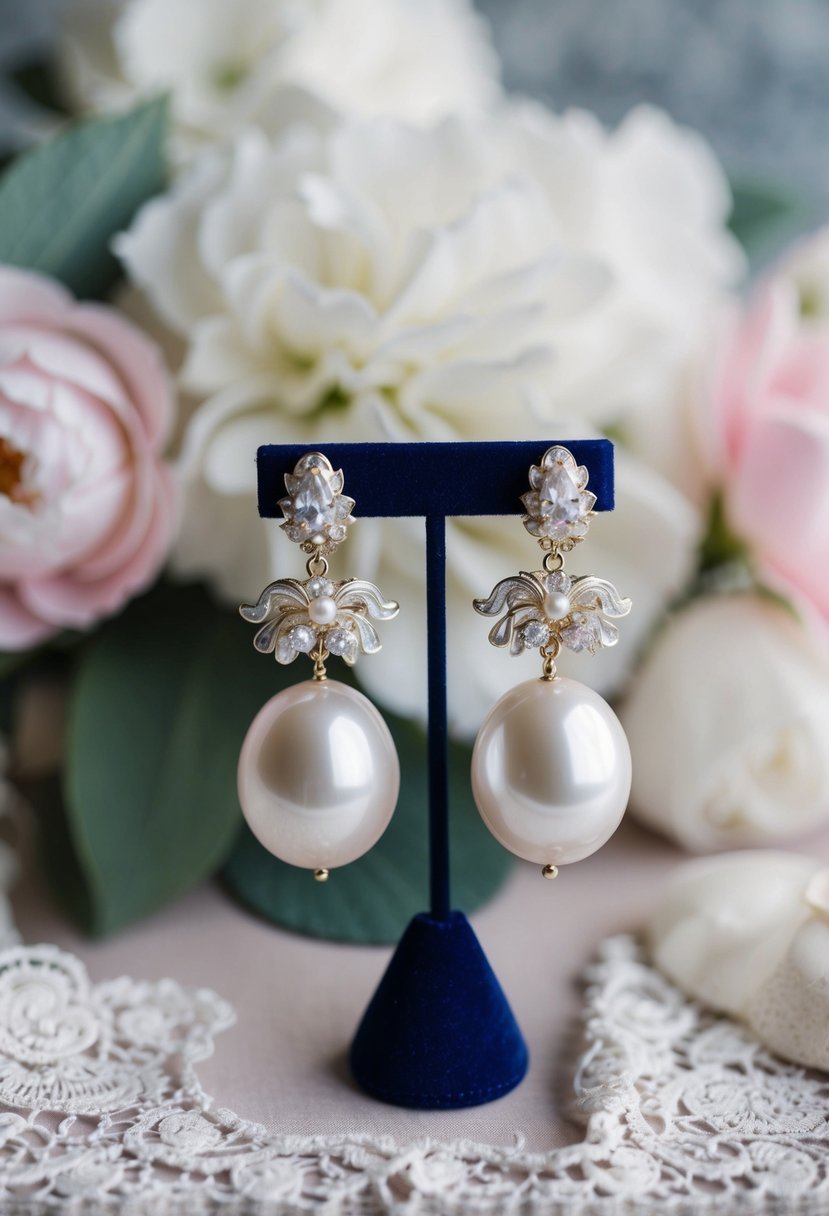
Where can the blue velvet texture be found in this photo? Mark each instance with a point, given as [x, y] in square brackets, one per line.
[394, 479]
[438, 1033]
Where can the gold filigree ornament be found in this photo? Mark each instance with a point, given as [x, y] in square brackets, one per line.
[551, 767]
[318, 616]
[548, 609]
[318, 774]
[558, 506]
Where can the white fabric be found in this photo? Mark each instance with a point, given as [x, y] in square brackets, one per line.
[102, 1109]
[105, 1107]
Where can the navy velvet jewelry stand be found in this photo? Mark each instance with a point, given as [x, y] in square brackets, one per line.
[438, 1032]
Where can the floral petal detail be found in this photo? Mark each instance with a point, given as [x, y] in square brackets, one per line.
[281, 626]
[517, 591]
[501, 632]
[608, 632]
[277, 597]
[265, 639]
[368, 635]
[600, 595]
[518, 618]
[359, 593]
[508, 629]
[522, 595]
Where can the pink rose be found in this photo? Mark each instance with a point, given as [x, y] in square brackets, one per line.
[771, 417]
[86, 502]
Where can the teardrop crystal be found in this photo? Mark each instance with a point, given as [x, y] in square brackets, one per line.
[314, 500]
[560, 496]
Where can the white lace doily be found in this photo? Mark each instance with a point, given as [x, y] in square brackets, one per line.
[101, 1110]
[104, 1112]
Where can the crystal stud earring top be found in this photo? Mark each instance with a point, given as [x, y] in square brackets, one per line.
[551, 767]
[318, 772]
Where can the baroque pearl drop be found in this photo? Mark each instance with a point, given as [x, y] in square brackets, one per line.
[551, 771]
[318, 775]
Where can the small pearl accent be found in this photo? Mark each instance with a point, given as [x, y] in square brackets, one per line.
[556, 605]
[322, 611]
[318, 775]
[551, 771]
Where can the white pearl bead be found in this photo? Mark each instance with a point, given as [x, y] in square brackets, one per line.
[551, 771]
[318, 775]
[556, 605]
[323, 610]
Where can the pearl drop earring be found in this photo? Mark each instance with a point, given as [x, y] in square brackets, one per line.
[551, 768]
[318, 773]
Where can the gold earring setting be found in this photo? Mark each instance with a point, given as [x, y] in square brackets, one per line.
[318, 774]
[551, 767]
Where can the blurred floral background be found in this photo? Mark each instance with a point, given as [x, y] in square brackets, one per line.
[317, 221]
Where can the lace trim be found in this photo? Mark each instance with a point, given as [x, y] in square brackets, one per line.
[104, 1107]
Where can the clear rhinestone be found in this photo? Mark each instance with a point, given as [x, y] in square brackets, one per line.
[560, 496]
[535, 633]
[341, 642]
[557, 580]
[581, 635]
[319, 586]
[314, 501]
[303, 638]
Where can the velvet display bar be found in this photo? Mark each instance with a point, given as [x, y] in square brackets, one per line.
[441, 479]
[439, 1032]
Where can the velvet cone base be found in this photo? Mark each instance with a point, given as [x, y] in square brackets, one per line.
[438, 1033]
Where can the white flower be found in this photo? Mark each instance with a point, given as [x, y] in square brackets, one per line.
[228, 63]
[747, 933]
[727, 725]
[378, 265]
[517, 275]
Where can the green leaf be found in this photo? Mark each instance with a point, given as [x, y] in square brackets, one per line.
[763, 215]
[162, 699]
[372, 900]
[56, 848]
[62, 203]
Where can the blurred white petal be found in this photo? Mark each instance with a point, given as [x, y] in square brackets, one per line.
[727, 725]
